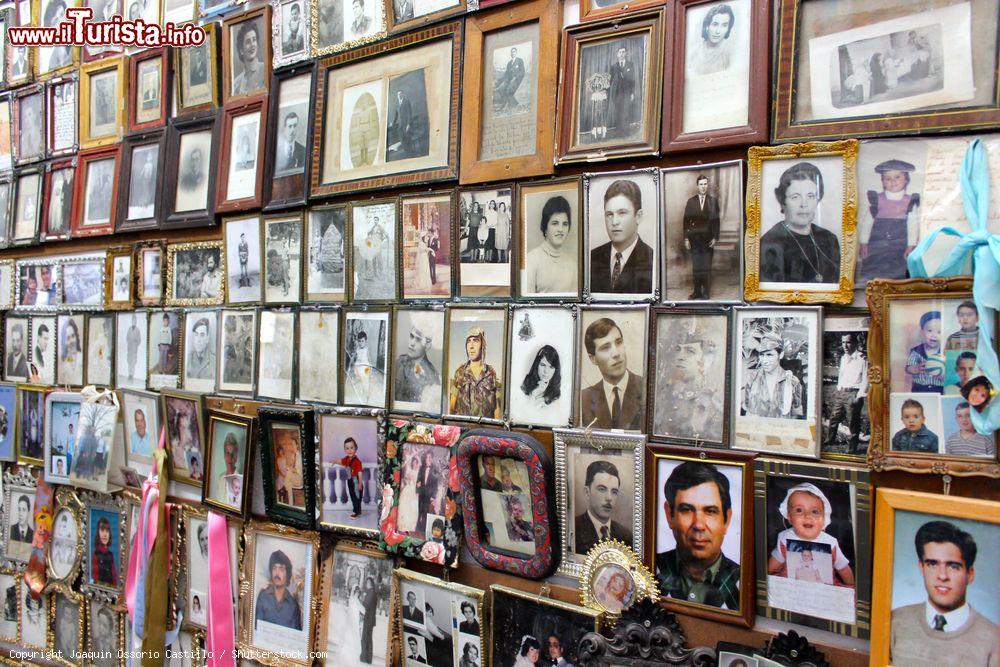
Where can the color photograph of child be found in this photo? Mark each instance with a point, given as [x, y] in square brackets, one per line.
[915, 421]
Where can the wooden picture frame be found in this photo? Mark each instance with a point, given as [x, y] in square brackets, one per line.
[969, 103]
[757, 42]
[145, 112]
[286, 184]
[963, 518]
[216, 284]
[704, 464]
[135, 213]
[206, 78]
[81, 203]
[773, 475]
[883, 375]
[536, 21]
[20, 60]
[225, 199]
[593, 11]
[113, 287]
[402, 18]
[71, 54]
[24, 152]
[834, 281]
[235, 504]
[645, 30]
[88, 72]
[402, 436]
[273, 448]
[485, 268]
[233, 88]
[60, 140]
[480, 444]
[66, 168]
[150, 276]
[437, 44]
[186, 138]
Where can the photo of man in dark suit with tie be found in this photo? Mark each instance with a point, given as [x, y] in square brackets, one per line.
[617, 400]
[506, 85]
[623, 100]
[602, 489]
[623, 265]
[291, 157]
[701, 232]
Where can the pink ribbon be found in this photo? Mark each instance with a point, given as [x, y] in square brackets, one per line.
[220, 637]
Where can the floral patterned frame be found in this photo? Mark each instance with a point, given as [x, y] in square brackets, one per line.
[527, 450]
[391, 540]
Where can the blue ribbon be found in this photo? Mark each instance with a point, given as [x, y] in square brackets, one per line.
[985, 251]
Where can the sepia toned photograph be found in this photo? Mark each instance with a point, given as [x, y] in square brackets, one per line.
[194, 160]
[365, 363]
[510, 85]
[703, 218]
[550, 229]
[623, 242]
[243, 259]
[144, 167]
[104, 98]
[98, 192]
[130, 345]
[196, 274]
[100, 350]
[373, 231]
[148, 94]
[476, 361]
[418, 360]
[319, 337]
[276, 361]
[201, 343]
[16, 331]
[846, 421]
[29, 117]
[61, 111]
[612, 375]
[43, 349]
[485, 242]
[243, 153]
[228, 462]
[613, 84]
[542, 356]
[426, 246]
[237, 351]
[326, 274]
[282, 254]
[348, 481]
[248, 66]
[70, 352]
[358, 610]
[164, 349]
[293, 119]
[195, 73]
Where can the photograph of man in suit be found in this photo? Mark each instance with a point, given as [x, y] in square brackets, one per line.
[506, 85]
[601, 487]
[415, 655]
[623, 265]
[701, 233]
[22, 530]
[698, 509]
[427, 490]
[412, 611]
[17, 362]
[622, 94]
[291, 157]
[617, 400]
[944, 629]
[401, 128]
[489, 481]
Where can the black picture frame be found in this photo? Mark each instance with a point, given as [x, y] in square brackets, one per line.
[303, 419]
[289, 191]
[171, 219]
[154, 137]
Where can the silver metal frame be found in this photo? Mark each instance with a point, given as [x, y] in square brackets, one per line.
[504, 364]
[276, 26]
[96, 258]
[50, 398]
[14, 480]
[572, 369]
[56, 276]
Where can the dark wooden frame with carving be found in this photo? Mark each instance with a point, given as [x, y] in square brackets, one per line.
[303, 419]
[138, 270]
[575, 37]
[387, 48]
[732, 458]
[159, 138]
[527, 450]
[755, 131]
[211, 38]
[56, 165]
[231, 22]
[880, 293]
[547, 15]
[785, 128]
[171, 219]
[645, 634]
[133, 89]
[222, 203]
[292, 190]
[80, 191]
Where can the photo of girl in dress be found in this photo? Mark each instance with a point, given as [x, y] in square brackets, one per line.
[104, 548]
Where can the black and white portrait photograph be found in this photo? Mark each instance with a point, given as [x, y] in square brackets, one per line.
[5, 230]
[510, 87]
[846, 422]
[121, 279]
[776, 388]
[243, 152]
[164, 348]
[703, 218]
[27, 206]
[201, 330]
[43, 349]
[542, 357]
[242, 235]
[31, 436]
[293, 21]
[100, 349]
[801, 225]
[83, 282]
[51, 58]
[66, 534]
[151, 273]
[439, 631]
[104, 633]
[366, 352]
[373, 230]
[612, 384]
[63, 115]
[325, 272]
[358, 616]
[70, 352]
[408, 131]
[105, 104]
[281, 569]
[193, 164]
[691, 364]
[143, 181]
[149, 75]
[66, 633]
[319, 332]
[426, 241]
[293, 121]
[31, 126]
[8, 590]
[716, 65]
[277, 354]
[60, 202]
[918, 60]
[418, 360]
[476, 354]
[485, 218]
[130, 345]
[248, 48]
[99, 179]
[550, 233]
[197, 274]
[283, 259]
[600, 497]
[237, 351]
[329, 24]
[364, 18]
[196, 73]
[525, 635]
[19, 513]
[34, 618]
[622, 234]
[612, 79]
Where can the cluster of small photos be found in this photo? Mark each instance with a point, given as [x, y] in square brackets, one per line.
[679, 365]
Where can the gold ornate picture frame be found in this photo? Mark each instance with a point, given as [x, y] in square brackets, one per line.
[55, 590]
[62, 550]
[119, 66]
[116, 282]
[614, 579]
[186, 294]
[98, 508]
[799, 259]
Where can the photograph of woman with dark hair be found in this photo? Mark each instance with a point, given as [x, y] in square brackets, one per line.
[529, 653]
[542, 383]
[714, 52]
[552, 267]
[102, 560]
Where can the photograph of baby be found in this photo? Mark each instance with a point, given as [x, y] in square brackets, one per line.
[422, 492]
[811, 547]
[931, 336]
[505, 502]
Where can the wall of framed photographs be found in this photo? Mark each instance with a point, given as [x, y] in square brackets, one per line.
[478, 322]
